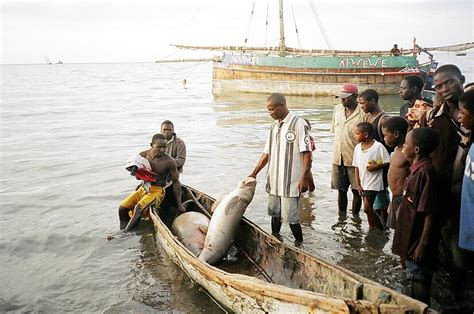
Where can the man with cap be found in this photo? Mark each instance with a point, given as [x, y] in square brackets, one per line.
[346, 116]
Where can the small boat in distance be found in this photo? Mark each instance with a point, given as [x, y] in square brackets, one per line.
[48, 61]
[267, 275]
[309, 72]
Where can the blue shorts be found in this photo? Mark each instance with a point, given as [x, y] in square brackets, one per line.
[382, 200]
[285, 208]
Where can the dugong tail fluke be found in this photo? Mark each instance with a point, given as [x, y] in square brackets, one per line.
[225, 220]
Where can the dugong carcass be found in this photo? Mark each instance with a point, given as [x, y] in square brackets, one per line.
[190, 228]
[225, 221]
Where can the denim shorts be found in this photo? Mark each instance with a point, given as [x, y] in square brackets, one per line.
[284, 207]
[382, 200]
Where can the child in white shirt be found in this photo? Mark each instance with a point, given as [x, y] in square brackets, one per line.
[370, 157]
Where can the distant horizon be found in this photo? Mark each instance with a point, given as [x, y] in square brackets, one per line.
[87, 31]
[439, 53]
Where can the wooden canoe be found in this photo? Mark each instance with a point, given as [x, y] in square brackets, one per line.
[271, 276]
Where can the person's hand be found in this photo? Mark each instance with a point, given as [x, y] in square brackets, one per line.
[361, 191]
[303, 185]
[372, 166]
[418, 254]
[109, 237]
[411, 123]
[309, 179]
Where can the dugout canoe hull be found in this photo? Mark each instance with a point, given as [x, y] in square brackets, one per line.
[285, 278]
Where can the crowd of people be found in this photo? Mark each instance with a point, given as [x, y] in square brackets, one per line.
[413, 173]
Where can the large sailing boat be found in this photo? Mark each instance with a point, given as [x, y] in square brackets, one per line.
[312, 72]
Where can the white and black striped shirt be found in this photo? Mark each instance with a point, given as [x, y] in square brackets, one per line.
[285, 145]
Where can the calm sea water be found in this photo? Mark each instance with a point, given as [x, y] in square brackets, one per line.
[66, 132]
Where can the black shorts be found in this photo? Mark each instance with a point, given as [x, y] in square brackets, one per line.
[370, 196]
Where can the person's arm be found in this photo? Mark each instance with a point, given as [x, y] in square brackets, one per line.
[374, 166]
[427, 205]
[261, 163]
[303, 185]
[420, 250]
[176, 186]
[180, 154]
[359, 185]
[333, 121]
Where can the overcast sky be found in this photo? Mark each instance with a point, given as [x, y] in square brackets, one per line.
[142, 30]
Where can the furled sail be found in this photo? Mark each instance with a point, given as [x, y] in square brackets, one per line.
[458, 47]
[327, 52]
[292, 51]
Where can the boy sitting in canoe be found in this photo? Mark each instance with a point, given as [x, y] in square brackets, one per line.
[153, 193]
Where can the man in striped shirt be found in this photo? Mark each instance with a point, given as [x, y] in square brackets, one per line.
[288, 155]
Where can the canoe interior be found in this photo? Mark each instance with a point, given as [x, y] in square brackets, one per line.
[260, 255]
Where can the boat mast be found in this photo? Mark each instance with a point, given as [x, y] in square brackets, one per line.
[282, 48]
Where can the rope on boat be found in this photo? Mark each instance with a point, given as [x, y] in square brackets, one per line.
[296, 27]
[321, 27]
[250, 22]
[195, 200]
[262, 271]
[266, 26]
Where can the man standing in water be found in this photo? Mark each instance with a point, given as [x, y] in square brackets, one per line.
[288, 154]
[175, 147]
[138, 201]
[345, 118]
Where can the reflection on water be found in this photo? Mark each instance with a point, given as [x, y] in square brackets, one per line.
[336, 237]
[66, 134]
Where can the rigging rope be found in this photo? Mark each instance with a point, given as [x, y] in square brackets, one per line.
[266, 27]
[250, 22]
[296, 27]
[321, 27]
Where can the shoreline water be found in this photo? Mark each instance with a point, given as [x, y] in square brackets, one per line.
[66, 133]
